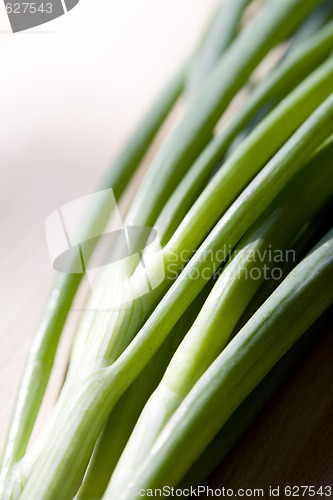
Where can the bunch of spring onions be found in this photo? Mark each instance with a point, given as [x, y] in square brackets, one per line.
[162, 381]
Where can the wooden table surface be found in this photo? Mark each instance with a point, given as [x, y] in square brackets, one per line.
[69, 97]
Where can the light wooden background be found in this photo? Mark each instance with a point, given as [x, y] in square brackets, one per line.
[70, 93]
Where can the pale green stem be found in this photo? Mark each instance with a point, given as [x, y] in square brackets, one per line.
[237, 285]
[81, 415]
[295, 305]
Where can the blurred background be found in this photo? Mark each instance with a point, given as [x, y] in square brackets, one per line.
[71, 92]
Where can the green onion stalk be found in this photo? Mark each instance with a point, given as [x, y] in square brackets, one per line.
[304, 54]
[281, 130]
[318, 18]
[137, 309]
[117, 328]
[104, 453]
[42, 351]
[242, 418]
[105, 355]
[252, 263]
[83, 408]
[122, 419]
[224, 28]
[295, 305]
[282, 80]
